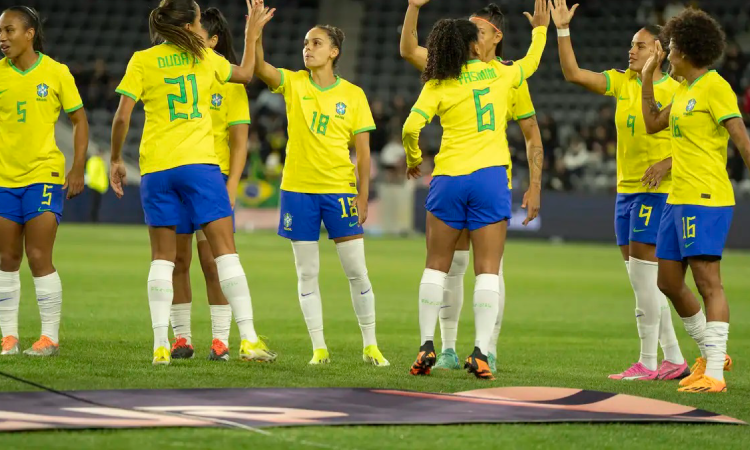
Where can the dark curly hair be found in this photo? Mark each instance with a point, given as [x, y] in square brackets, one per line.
[697, 36]
[448, 48]
[494, 15]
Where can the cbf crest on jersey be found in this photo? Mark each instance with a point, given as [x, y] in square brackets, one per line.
[340, 109]
[216, 101]
[690, 106]
[288, 222]
[42, 91]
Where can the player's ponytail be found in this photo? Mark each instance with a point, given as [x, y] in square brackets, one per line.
[336, 35]
[494, 15]
[216, 24]
[31, 19]
[449, 48]
[167, 23]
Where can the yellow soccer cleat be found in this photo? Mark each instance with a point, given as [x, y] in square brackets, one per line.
[256, 351]
[320, 356]
[162, 357]
[705, 384]
[699, 368]
[371, 354]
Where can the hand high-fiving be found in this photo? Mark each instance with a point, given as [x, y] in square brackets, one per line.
[258, 15]
[541, 14]
[561, 15]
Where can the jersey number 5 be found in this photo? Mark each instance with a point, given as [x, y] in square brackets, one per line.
[483, 110]
[21, 112]
[182, 98]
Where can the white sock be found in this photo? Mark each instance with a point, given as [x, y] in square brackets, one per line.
[307, 263]
[221, 322]
[500, 311]
[667, 337]
[180, 318]
[430, 299]
[49, 300]
[10, 297]
[234, 286]
[647, 309]
[627, 266]
[160, 295]
[486, 300]
[352, 257]
[453, 299]
[715, 341]
[696, 328]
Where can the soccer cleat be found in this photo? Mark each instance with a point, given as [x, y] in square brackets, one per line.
[705, 384]
[371, 354]
[425, 360]
[477, 364]
[10, 346]
[635, 372]
[320, 356]
[492, 362]
[448, 360]
[256, 351]
[161, 357]
[699, 368]
[181, 349]
[43, 347]
[219, 351]
[671, 371]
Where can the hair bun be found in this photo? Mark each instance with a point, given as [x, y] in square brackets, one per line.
[494, 9]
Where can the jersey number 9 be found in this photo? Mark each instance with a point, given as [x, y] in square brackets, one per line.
[483, 110]
[631, 124]
[182, 98]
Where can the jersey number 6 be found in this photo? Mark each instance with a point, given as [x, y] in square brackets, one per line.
[483, 110]
[182, 98]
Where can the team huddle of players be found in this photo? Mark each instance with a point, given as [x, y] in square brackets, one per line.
[673, 210]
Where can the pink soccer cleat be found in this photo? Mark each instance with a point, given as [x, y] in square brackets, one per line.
[671, 371]
[636, 372]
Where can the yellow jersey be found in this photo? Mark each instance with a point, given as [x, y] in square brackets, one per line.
[699, 142]
[175, 88]
[636, 149]
[30, 104]
[322, 123]
[473, 111]
[229, 107]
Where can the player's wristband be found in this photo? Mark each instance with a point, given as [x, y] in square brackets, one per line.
[563, 32]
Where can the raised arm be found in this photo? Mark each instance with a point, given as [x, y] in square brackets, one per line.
[257, 17]
[265, 71]
[539, 22]
[656, 119]
[593, 81]
[409, 45]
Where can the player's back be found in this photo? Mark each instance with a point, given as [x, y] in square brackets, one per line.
[473, 110]
[175, 88]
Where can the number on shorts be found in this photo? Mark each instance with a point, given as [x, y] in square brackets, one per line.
[645, 212]
[348, 201]
[688, 227]
[47, 195]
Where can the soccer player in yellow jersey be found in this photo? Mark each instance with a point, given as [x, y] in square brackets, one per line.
[469, 188]
[33, 90]
[701, 117]
[325, 114]
[491, 24]
[230, 114]
[643, 181]
[178, 159]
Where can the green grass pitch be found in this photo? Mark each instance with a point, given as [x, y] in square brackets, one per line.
[568, 322]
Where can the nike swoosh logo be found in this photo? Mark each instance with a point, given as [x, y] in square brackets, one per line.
[1, 92]
[624, 98]
[310, 293]
[639, 315]
[363, 293]
[637, 377]
[41, 299]
[353, 224]
[688, 245]
[3, 299]
[444, 307]
[43, 210]
[306, 97]
[638, 231]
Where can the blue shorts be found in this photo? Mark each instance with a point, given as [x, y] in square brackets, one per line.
[187, 226]
[25, 203]
[301, 215]
[691, 230]
[471, 201]
[198, 188]
[637, 217]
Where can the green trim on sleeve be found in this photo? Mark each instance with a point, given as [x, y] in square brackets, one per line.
[127, 94]
[238, 122]
[609, 82]
[526, 116]
[421, 113]
[522, 77]
[362, 130]
[728, 116]
[231, 69]
[74, 109]
[281, 83]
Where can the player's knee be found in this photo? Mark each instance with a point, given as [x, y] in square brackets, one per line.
[40, 261]
[208, 265]
[182, 263]
[668, 287]
[307, 270]
[10, 260]
[708, 287]
[460, 263]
